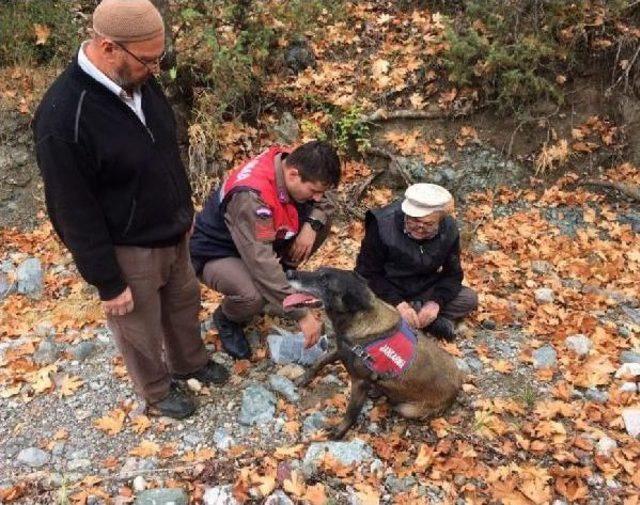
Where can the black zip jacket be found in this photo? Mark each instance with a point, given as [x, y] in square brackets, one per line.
[109, 179]
[399, 268]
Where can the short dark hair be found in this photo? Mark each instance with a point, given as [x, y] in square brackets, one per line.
[316, 161]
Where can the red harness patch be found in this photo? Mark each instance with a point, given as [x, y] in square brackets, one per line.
[392, 355]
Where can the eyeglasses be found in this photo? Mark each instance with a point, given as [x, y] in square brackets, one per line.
[416, 222]
[155, 62]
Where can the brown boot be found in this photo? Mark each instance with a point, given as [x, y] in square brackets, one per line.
[177, 404]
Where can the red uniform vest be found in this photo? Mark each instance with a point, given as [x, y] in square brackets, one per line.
[259, 175]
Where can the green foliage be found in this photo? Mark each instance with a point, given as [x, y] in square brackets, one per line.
[18, 36]
[514, 50]
[350, 129]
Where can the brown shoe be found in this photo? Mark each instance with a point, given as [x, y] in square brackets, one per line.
[177, 404]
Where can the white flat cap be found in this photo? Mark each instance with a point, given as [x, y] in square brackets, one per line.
[423, 199]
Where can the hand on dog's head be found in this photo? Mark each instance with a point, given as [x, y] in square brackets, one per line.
[341, 291]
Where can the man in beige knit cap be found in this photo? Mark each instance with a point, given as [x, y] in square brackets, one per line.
[119, 198]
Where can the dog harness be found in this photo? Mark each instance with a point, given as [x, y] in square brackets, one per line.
[390, 356]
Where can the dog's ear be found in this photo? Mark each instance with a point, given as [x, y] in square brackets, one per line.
[356, 299]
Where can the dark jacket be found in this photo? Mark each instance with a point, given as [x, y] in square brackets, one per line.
[109, 179]
[400, 268]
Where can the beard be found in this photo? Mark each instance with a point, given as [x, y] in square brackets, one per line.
[123, 78]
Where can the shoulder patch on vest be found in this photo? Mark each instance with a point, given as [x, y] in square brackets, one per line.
[264, 212]
[264, 231]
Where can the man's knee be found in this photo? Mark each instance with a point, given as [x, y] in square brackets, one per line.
[467, 299]
[243, 306]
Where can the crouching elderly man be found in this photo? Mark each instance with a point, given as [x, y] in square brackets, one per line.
[410, 255]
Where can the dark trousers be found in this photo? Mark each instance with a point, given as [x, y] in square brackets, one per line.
[463, 304]
[161, 336]
[231, 277]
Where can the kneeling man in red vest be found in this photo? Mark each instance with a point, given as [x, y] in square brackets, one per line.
[269, 215]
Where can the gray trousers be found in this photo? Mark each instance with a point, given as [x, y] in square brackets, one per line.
[462, 305]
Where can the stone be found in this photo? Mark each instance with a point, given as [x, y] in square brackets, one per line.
[628, 370]
[596, 396]
[463, 366]
[163, 496]
[219, 495]
[478, 248]
[287, 130]
[46, 353]
[489, 324]
[355, 451]
[541, 266]
[629, 357]
[313, 422]
[278, 498]
[399, 485]
[285, 387]
[83, 350]
[291, 371]
[544, 295]
[299, 55]
[139, 484]
[258, 406]
[29, 278]
[194, 385]
[634, 314]
[631, 418]
[579, 344]
[629, 387]
[222, 439]
[78, 464]
[287, 347]
[545, 357]
[33, 457]
[606, 446]
[45, 329]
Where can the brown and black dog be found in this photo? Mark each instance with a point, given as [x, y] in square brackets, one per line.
[424, 385]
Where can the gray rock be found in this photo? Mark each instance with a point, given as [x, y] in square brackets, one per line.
[192, 439]
[396, 485]
[489, 324]
[29, 277]
[463, 366]
[45, 329]
[606, 446]
[33, 457]
[285, 387]
[78, 464]
[58, 448]
[222, 439]
[83, 350]
[162, 496]
[314, 422]
[545, 357]
[629, 387]
[139, 484]
[628, 370]
[219, 495]
[596, 396]
[258, 406]
[46, 353]
[475, 364]
[287, 130]
[580, 344]
[541, 266]
[631, 418]
[355, 451]
[629, 357]
[478, 248]
[299, 55]
[634, 314]
[278, 498]
[286, 347]
[544, 295]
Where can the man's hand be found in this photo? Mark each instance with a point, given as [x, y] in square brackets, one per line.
[310, 327]
[428, 314]
[301, 248]
[408, 314]
[120, 305]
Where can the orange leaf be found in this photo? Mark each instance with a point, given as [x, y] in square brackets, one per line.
[111, 423]
[146, 449]
[295, 484]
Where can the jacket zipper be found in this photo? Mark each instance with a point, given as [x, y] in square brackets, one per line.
[130, 220]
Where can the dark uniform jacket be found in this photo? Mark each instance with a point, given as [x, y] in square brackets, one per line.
[400, 268]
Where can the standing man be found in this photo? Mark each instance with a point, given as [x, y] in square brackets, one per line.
[119, 198]
[410, 255]
[270, 215]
